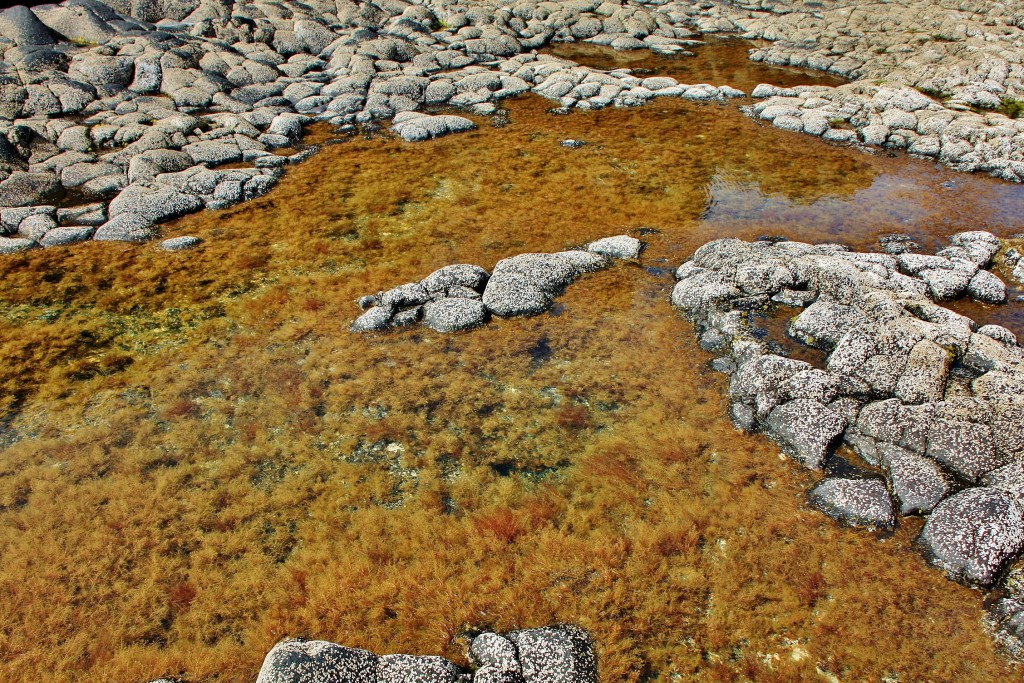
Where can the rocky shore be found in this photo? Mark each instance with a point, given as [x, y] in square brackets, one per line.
[931, 402]
[116, 116]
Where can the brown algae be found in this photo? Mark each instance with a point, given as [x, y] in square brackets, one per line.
[200, 459]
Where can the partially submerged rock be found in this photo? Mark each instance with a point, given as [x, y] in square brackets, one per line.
[463, 296]
[313, 661]
[551, 654]
[858, 502]
[415, 127]
[973, 534]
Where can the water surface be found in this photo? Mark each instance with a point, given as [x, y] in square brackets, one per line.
[200, 459]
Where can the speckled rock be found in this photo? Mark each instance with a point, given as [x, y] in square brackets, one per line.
[807, 429]
[375, 319]
[493, 650]
[462, 274]
[918, 483]
[414, 669]
[972, 534]
[453, 314]
[620, 246]
[858, 502]
[317, 661]
[556, 654]
[180, 243]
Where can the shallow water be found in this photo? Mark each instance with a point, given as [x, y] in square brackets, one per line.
[721, 60]
[202, 460]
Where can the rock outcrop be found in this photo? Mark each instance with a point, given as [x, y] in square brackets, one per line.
[463, 296]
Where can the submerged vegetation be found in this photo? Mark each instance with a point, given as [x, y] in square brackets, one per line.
[202, 460]
[1011, 107]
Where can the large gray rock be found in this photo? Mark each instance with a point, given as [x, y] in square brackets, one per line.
[413, 669]
[806, 429]
[491, 649]
[21, 26]
[987, 287]
[973, 534]
[77, 23]
[126, 227]
[317, 661]
[451, 315]
[155, 204]
[459, 274]
[858, 502]
[373, 320]
[620, 246]
[924, 376]
[25, 189]
[527, 284]
[824, 322]
[556, 654]
[967, 448]
[514, 294]
[981, 245]
[414, 126]
[59, 237]
[701, 291]
[917, 482]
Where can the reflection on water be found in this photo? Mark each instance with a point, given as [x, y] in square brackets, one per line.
[203, 460]
[719, 61]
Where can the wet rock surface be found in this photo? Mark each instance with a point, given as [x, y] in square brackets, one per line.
[552, 654]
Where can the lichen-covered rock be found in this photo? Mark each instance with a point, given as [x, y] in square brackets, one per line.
[858, 502]
[556, 654]
[461, 274]
[493, 650]
[917, 482]
[417, 669]
[987, 287]
[967, 448]
[527, 284]
[973, 534]
[180, 243]
[514, 294]
[924, 375]
[453, 314]
[317, 661]
[375, 319]
[415, 127]
[807, 429]
[620, 246]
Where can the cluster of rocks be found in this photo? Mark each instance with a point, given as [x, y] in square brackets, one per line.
[898, 118]
[551, 654]
[932, 403]
[464, 296]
